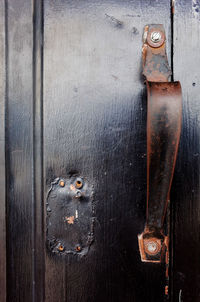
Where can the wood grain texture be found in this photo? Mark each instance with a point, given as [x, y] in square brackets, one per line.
[186, 189]
[38, 206]
[19, 120]
[95, 127]
[2, 155]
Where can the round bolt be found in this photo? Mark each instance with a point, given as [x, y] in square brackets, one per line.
[152, 247]
[155, 37]
[62, 183]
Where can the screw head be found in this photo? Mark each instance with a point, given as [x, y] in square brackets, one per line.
[155, 37]
[152, 246]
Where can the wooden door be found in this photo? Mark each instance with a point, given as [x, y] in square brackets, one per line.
[73, 106]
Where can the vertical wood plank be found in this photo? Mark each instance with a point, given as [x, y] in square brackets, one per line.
[95, 125]
[38, 221]
[2, 155]
[186, 185]
[19, 130]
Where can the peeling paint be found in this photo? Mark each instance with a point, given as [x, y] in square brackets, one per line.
[72, 187]
[70, 220]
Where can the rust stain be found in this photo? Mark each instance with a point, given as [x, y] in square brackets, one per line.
[61, 248]
[152, 246]
[78, 248]
[70, 220]
[62, 183]
[72, 187]
[173, 7]
[79, 183]
[155, 64]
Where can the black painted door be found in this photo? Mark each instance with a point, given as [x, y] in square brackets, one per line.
[73, 121]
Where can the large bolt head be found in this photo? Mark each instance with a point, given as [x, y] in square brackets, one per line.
[155, 37]
[152, 247]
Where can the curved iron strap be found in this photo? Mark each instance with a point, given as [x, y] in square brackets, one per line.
[164, 114]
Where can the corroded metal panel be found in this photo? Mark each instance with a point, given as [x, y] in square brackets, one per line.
[70, 216]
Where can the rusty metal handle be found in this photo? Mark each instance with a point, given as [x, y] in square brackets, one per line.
[164, 111]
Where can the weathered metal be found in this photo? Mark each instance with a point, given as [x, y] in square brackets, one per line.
[69, 217]
[163, 134]
[155, 64]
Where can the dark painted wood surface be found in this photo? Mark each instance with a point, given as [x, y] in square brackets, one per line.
[38, 209]
[186, 189]
[76, 105]
[95, 127]
[2, 156]
[19, 154]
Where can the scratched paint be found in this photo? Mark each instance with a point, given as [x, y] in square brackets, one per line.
[70, 220]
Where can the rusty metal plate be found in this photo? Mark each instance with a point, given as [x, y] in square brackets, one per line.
[70, 216]
[155, 63]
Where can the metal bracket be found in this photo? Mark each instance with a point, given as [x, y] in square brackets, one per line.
[155, 63]
[163, 133]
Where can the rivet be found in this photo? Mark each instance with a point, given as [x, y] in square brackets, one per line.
[78, 194]
[78, 248]
[155, 37]
[62, 183]
[78, 183]
[61, 248]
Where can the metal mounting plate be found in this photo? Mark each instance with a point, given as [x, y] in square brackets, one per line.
[70, 217]
[155, 63]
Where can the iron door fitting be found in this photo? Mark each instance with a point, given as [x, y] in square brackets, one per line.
[70, 216]
[164, 115]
